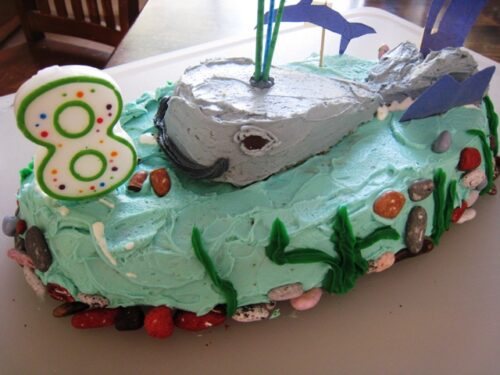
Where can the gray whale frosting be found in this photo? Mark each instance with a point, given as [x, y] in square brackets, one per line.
[403, 72]
[215, 113]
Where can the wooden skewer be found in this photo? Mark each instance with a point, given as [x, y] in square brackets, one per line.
[322, 48]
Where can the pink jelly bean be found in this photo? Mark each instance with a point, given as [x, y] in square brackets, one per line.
[307, 300]
[21, 258]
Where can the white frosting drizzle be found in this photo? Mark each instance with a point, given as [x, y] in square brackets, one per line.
[147, 139]
[63, 210]
[98, 230]
[107, 203]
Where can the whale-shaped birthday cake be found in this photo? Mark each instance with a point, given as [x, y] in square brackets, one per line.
[238, 199]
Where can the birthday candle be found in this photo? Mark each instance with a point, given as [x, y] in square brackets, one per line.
[72, 113]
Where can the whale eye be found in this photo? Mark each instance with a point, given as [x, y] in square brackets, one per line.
[255, 141]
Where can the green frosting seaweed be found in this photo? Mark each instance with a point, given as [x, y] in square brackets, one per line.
[351, 262]
[346, 267]
[384, 233]
[450, 202]
[26, 171]
[439, 205]
[487, 156]
[224, 286]
[492, 122]
[444, 203]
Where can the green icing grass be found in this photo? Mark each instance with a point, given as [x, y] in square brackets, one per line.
[450, 201]
[487, 156]
[26, 171]
[384, 233]
[444, 201]
[345, 268]
[224, 286]
[439, 205]
[492, 122]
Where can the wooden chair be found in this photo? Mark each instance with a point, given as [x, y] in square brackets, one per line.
[97, 24]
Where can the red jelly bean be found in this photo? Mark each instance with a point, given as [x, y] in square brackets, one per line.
[59, 293]
[158, 322]
[470, 158]
[21, 227]
[458, 212]
[191, 322]
[95, 318]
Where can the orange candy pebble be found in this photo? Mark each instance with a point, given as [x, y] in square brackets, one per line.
[389, 204]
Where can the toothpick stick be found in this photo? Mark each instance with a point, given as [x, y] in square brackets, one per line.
[322, 48]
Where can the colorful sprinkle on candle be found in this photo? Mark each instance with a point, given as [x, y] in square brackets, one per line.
[44, 134]
[80, 94]
[43, 116]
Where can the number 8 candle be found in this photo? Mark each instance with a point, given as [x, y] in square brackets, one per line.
[72, 113]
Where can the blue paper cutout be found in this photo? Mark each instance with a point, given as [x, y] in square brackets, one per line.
[325, 17]
[447, 93]
[454, 26]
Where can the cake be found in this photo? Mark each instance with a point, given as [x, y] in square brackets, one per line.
[206, 248]
[216, 199]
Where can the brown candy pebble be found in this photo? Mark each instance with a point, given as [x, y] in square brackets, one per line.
[420, 189]
[19, 243]
[137, 180]
[415, 229]
[37, 249]
[405, 253]
[389, 204]
[160, 181]
[69, 308]
[129, 318]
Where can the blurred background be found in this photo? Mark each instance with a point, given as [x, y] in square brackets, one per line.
[158, 26]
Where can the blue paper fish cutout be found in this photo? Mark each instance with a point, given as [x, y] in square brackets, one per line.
[325, 17]
[454, 26]
[448, 93]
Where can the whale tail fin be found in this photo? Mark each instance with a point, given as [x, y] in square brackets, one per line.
[355, 30]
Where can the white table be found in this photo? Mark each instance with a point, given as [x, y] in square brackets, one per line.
[435, 314]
